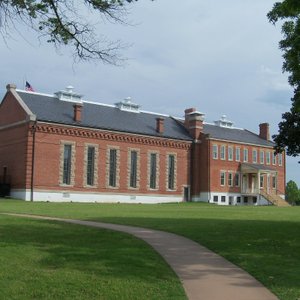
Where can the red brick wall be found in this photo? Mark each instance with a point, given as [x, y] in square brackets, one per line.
[47, 161]
[11, 111]
[216, 165]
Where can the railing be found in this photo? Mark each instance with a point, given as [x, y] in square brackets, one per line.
[250, 191]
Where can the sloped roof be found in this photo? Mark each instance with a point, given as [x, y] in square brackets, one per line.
[235, 134]
[51, 109]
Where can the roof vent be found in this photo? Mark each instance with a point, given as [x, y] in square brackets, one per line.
[69, 95]
[223, 122]
[128, 105]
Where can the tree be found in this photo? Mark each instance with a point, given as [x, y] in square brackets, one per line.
[65, 22]
[292, 193]
[289, 128]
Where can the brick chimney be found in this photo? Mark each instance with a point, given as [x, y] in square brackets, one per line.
[194, 122]
[77, 112]
[264, 131]
[160, 125]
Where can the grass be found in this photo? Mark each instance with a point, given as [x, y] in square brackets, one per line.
[265, 241]
[53, 260]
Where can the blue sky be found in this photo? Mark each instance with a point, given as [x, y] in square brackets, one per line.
[221, 57]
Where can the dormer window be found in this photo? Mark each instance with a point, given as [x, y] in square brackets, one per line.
[69, 95]
[128, 105]
[224, 122]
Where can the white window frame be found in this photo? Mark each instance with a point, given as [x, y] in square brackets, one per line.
[238, 154]
[223, 152]
[280, 159]
[230, 179]
[254, 157]
[261, 157]
[222, 178]
[215, 151]
[246, 155]
[230, 153]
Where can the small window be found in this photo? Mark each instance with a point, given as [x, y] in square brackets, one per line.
[268, 157]
[245, 199]
[237, 153]
[238, 199]
[215, 151]
[230, 153]
[254, 200]
[216, 199]
[230, 179]
[261, 181]
[262, 157]
[254, 156]
[230, 200]
[222, 178]
[245, 155]
[223, 152]
[237, 179]
[274, 182]
[280, 159]
[223, 199]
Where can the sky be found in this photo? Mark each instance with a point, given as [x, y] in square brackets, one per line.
[221, 57]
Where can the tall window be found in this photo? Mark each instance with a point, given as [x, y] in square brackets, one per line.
[113, 167]
[274, 158]
[215, 151]
[90, 166]
[254, 156]
[153, 168]
[133, 168]
[261, 181]
[171, 172]
[274, 182]
[268, 157]
[230, 153]
[280, 159]
[230, 179]
[262, 156]
[245, 155]
[67, 164]
[223, 152]
[237, 153]
[237, 179]
[222, 178]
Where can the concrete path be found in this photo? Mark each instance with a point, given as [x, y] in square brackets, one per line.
[204, 274]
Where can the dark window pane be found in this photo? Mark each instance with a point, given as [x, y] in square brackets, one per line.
[153, 166]
[171, 172]
[90, 166]
[113, 167]
[133, 169]
[67, 164]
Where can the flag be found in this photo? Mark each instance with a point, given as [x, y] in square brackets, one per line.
[28, 87]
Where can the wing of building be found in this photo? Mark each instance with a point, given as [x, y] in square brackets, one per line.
[62, 148]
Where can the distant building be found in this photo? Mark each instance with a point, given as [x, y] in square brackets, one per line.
[61, 148]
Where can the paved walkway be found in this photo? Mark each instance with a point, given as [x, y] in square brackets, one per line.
[204, 274]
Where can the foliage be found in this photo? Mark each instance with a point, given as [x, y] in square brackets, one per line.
[251, 237]
[292, 193]
[68, 23]
[289, 128]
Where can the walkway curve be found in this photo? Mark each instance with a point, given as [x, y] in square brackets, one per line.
[204, 274]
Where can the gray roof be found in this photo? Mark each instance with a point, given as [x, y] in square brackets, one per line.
[51, 109]
[235, 134]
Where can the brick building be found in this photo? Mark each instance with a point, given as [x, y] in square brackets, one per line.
[61, 148]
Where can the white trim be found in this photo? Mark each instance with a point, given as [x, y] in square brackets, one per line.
[70, 196]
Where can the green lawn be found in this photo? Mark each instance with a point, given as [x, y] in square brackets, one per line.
[265, 241]
[53, 260]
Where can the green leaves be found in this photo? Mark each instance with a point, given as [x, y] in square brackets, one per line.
[289, 128]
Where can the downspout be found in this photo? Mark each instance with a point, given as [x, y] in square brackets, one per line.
[191, 171]
[208, 170]
[32, 159]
